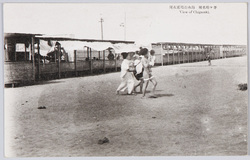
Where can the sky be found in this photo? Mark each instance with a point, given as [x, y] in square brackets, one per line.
[145, 22]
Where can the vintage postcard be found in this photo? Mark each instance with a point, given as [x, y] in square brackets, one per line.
[125, 79]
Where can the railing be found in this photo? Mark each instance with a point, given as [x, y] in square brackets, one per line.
[23, 72]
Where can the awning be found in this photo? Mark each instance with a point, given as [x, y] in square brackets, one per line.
[45, 48]
[121, 47]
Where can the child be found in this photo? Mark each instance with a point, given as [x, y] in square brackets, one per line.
[152, 58]
[209, 59]
[148, 71]
[138, 71]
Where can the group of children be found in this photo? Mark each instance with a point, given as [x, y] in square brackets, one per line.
[136, 69]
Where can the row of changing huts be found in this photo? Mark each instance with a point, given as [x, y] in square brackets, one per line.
[33, 57]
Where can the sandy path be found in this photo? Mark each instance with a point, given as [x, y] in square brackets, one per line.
[199, 111]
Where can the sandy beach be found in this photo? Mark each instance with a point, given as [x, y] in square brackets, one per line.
[199, 110]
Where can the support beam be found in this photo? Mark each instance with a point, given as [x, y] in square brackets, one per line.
[59, 61]
[195, 55]
[15, 52]
[178, 57]
[168, 54]
[104, 67]
[183, 53]
[75, 63]
[91, 61]
[192, 54]
[115, 62]
[30, 52]
[173, 54]
[33, 59]
[162, 60]
[25, 50]
[38, 53]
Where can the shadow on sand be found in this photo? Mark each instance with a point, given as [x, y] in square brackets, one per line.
[161, 95]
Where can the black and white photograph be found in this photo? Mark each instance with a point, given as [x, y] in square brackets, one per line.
[125, 79]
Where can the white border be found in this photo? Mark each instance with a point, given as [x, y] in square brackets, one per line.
[105, 158]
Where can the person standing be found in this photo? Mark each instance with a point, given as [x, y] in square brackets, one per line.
[147, 74]
[138, 71]
[209, 59]
[127, 75]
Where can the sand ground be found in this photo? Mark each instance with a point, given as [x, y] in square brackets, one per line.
[199, 111]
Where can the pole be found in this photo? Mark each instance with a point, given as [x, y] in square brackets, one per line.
[168, 54]
[91, 63]
[178, 55]
[38, 53]
[59, 61]
[125, 27]
[162, 62]
[33, 59]
[173, 54]
[115, 62]
[15, 53]
[104, 69]
[25, 56]
[102, 27]
[75, 63]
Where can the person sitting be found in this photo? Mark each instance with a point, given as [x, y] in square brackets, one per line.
[111, 56]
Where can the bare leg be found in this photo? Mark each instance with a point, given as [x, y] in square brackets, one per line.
[144, 91]
[153, 80]
[141, 86]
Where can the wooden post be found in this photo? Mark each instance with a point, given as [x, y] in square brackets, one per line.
[33, 59]
[25, 56]
[183, 53]
[91, 62]
[59, 61]
[188, 53]
[168, 54]
[178, 57]
[192, 54]
[30, 52]
[38, 53]
[75, 63]
[200, 51]
[55, 56]
[173, 55]
[15, 52]
[196, 55]
[115, 62]
[162, 61]
[99, 55]
[104, 69]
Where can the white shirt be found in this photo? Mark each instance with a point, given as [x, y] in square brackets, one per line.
[124, 67]
[138, 65]
[151, 60]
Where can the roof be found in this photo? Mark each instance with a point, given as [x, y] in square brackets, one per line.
[7, 35]
[177, 43]
[44, 37]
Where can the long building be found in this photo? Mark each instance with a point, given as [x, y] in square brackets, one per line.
[33, 57]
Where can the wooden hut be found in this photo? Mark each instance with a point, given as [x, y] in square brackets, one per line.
[25, 56]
